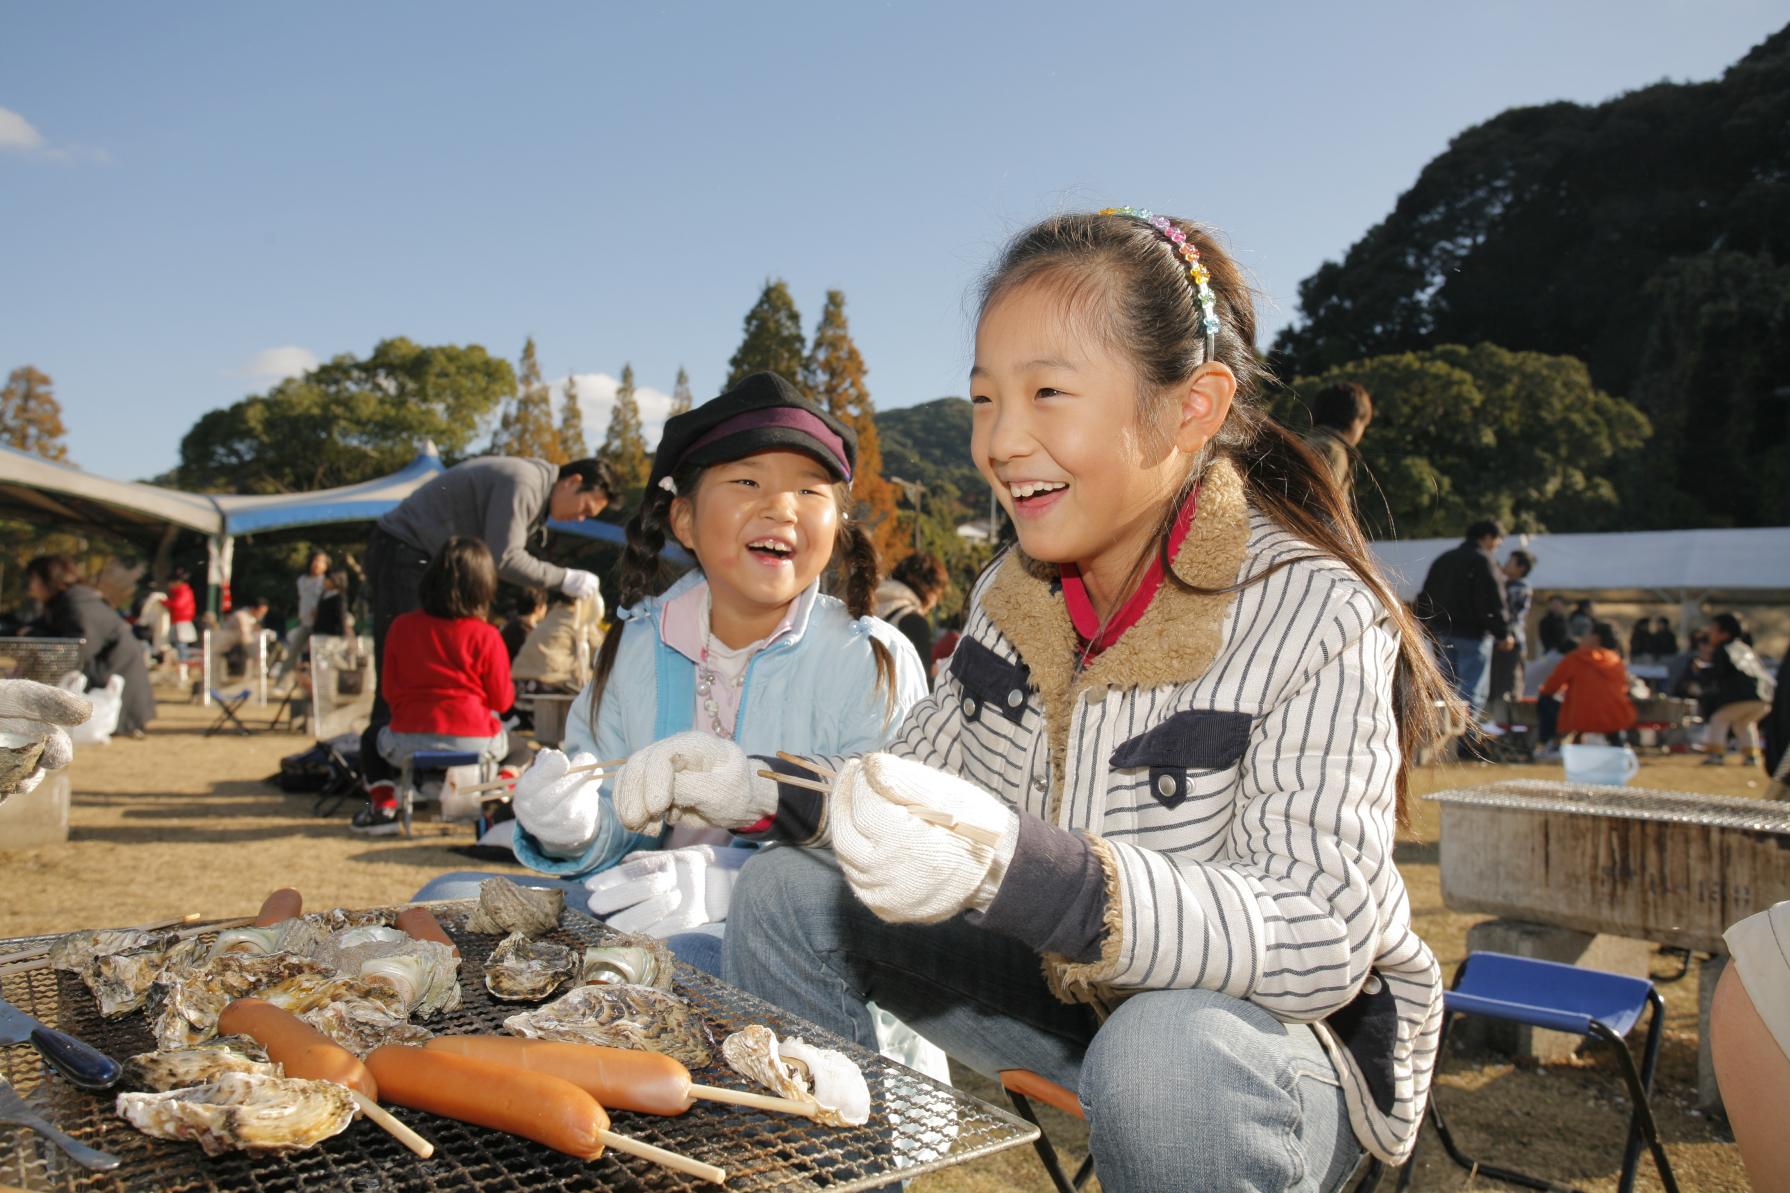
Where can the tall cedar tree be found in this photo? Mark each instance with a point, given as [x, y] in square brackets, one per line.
[680, 393]
[624, 445]
[30, 416]
[571, 423]
[527, 425]
[833, 375]
[773, 338]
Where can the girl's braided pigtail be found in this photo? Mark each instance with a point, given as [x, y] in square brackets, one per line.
[860, 566]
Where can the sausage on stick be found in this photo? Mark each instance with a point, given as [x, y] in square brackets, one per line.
[277, 908]
[619, 1078]
[539, 1106]
[303, 1051]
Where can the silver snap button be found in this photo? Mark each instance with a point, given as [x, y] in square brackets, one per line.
[969, 706]
[1038, 784]
[1166, 785]
[1015, 698]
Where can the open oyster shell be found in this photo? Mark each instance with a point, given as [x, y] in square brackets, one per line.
[200, 1063]
[636, 960]
[424, 974]
[523, 970]
[298, 936]
[792, 1068]
[505, 907]
[244, 1110]
[621, 1017]
[121, 982]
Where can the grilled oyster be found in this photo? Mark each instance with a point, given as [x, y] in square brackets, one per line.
[336, 919]
[505, 907]
[521, 970]
[793, 1068]
[298, 936]
[244, 1110]
[423, 973]
[639, 961]
[201, 1063]
[621, 1017]
[361, 1025]
[186, 1004]
[74, 951]
[122, 981]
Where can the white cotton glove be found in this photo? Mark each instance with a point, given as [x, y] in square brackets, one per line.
[578, 585]
[560, 811]
[38, 713]
[707, 779]
[905, 869]
[662, 892]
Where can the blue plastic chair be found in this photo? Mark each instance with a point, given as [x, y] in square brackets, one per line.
[1586, 1002]
[227, 704]
[431, 760]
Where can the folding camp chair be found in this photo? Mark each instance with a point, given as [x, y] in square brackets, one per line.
[433, 760]
[227, 705]
[1586, 1002]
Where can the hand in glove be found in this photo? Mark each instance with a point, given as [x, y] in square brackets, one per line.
[708, 779]
[37, 712]
[578, 585]
[663, 892]
[904, 869]
[560, 811]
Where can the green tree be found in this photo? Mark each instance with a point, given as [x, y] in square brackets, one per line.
[680, 393]
[30, 416]
[526, 428]
[833, 376]
[624, 444]
[348, 420]
[1462, 433]
[572, 443]
[772, 341]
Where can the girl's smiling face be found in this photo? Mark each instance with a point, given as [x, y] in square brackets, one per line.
[763, 529]
[1057, 432]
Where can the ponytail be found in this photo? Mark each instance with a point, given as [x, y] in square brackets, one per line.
[860, 569]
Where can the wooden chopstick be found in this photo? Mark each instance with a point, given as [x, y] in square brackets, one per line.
[805, 764]
[963, 828]
[587, 768]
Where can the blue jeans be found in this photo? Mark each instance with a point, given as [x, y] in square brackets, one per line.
[1468, 662]
[1183, 1089]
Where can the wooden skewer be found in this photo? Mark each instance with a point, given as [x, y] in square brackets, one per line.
[42, 950]
[975, 832]
[658, 1155]
[382, 1117]
[587, 768]
[739, 1097]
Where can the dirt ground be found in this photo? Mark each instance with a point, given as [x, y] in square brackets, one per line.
[177, 823]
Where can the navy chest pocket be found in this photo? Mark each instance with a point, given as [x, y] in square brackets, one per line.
[1196, 740]
[989, 681]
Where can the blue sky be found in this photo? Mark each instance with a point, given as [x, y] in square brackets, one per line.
[195, 198]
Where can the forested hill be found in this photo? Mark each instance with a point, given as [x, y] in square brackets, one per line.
[1648, 236]
[930, 443]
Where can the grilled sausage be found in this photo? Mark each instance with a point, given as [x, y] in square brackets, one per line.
[279, 907]
[301, 1049]
[618, 1078]
[419, 923]
[537, 1106]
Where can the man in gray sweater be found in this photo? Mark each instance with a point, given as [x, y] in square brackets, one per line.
[505, 501]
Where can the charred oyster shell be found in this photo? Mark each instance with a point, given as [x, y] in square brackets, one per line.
[505, 907]
[244, 1110]
[621, 1017]
[522, 970]
[200, 1063]
[121, 982]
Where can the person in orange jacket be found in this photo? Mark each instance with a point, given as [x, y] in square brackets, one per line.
[1596, 682]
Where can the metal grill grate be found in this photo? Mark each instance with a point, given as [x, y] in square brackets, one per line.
[1631, 803]
[916, 1124]
[46, 660]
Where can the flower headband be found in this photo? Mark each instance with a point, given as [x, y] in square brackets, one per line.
[1197, 274]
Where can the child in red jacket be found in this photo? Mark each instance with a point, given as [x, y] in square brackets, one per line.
[446, 673]
[1596, 683]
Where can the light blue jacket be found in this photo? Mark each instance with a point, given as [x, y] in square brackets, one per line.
[812, 691]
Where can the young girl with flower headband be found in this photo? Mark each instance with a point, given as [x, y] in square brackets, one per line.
[1183, 710]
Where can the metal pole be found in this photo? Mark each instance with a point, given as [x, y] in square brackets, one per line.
[260, 668]
[205, 669]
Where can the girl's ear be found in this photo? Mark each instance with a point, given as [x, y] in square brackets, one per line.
[682, 519]
[1205, 403]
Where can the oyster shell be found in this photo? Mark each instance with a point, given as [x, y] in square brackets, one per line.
[639, 961]
[621, 1017]
[792, 1068]
[122, 981]
[185, 1004]
[423, 973]
[244, 1110]
[337, 919]
[505, 907]
[200, 1063]
[74, 951]
[298, 936]
[361, 1025]
[521, 970]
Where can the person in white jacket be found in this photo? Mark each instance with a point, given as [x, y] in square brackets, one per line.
[1140, 839]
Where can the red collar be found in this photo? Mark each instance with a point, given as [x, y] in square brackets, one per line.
[1081, 606]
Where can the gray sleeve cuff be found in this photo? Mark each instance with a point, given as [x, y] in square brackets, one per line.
[1054, 896]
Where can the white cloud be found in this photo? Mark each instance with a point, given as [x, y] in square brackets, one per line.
[277, 364]
[16, 132]
[18, 135]
[596, 398]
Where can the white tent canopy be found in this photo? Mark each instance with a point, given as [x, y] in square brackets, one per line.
[365, 502]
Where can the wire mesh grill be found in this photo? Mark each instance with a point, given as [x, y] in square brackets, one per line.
[1630, 803]
[916, 1125]
[45, 660]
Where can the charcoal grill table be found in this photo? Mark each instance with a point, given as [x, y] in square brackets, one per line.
[916, 1125]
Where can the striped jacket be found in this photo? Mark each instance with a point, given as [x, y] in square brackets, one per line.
[1231, 762]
